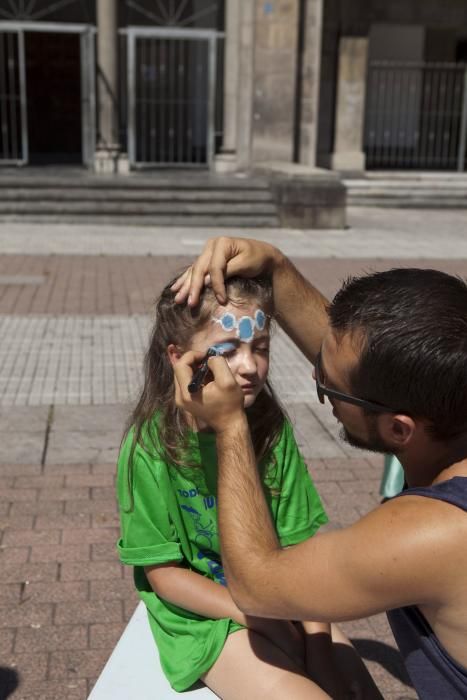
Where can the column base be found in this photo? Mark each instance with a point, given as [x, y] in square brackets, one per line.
[226, 162]
[348, 161]
[111, 161]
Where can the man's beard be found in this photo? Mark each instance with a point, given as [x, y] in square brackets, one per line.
[375, 442]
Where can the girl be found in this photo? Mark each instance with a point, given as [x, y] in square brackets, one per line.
[167, 498]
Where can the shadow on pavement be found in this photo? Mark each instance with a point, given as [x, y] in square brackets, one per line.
[388, 657]
[9, 681]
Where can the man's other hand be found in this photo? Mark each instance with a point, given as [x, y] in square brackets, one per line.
[221, 258]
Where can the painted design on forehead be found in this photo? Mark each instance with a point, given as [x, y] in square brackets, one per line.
[245, 325]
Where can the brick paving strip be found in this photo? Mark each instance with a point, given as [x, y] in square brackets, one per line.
[64, 597]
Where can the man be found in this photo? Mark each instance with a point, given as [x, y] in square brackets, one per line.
[390, 354]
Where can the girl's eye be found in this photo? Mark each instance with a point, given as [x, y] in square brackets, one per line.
[263, 349]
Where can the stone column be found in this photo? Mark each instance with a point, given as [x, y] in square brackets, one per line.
[275, 64]
[245, 58]
[108, 157]
[226, 160]
[350, 108]
[310, 86]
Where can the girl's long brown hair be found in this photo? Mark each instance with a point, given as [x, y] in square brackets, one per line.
[177, 323]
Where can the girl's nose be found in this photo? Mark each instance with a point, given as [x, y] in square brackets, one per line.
[247, 362]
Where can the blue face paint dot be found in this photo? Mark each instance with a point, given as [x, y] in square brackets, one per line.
[246, 329]
[260, 318]
[228, 322]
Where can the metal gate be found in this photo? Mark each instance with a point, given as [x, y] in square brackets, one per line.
[416, 115]
[171, 82]
[13, 88]
[13, 129]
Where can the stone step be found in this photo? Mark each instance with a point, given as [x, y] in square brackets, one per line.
[225, 220]
[406, 186]
[182, 181]
[414, 203]
[86, 194]
[125, 208]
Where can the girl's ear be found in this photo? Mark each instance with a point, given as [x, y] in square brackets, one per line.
[174, 353]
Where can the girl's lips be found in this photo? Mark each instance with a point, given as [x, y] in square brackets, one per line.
[248, 387]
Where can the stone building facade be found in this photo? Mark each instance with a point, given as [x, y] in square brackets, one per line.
[233, 85]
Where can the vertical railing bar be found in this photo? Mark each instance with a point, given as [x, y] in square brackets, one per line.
[152, 101]
[456, 116]
[446, 119]
[83, 60]
[439, 116]
[463, 127]
[189, 84]
[452, 131]
[382, 100]
[403, 122]
[395, 114]
[413, 114]
[131, 91]
[196, 103]
[210, 140]
[432, 149]
[400, 117]
[373, 113]
[162, 98]
[144, 98]
[171, 99]
[14, 94]
[180, 70]
[3, 98]
[424, 115]
[388, 102]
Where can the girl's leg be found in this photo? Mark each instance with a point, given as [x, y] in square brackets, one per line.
[251, 666]
[352, 668]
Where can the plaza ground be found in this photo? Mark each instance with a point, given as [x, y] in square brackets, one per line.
[75, 309]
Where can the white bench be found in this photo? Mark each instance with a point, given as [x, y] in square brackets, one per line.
[133, 671]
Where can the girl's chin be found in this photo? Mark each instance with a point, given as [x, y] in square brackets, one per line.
[249, 400]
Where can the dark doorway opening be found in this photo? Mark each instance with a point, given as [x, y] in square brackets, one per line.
[53, 86]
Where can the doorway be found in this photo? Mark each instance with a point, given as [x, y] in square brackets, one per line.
[171, 97]
[47, 93]
[53, 91]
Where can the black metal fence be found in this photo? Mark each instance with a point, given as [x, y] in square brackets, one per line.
[416, 115]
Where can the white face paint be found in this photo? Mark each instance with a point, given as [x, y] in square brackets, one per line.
[245, 325]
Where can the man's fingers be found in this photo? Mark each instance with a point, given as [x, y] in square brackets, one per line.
[198, 273]
[223, 251]
[183, 371]
[180, 280]
[222, 374]
[184, 288]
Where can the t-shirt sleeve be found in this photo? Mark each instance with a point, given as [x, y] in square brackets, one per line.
[300, 512]
[148, 535]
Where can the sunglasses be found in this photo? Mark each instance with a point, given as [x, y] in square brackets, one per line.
[323, 391]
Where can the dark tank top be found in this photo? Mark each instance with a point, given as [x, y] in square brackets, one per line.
[434, 673]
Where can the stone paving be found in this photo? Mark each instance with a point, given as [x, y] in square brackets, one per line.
[73, 325]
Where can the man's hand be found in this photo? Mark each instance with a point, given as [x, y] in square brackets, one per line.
[219, 403]
[222, 258]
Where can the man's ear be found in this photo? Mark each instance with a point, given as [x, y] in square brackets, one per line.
[174, 353]
[397, 429]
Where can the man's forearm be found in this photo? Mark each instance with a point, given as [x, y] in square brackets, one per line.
[248, 538]
[301, 308]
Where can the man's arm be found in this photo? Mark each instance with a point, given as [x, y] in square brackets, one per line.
[383, 561]
[301, 308]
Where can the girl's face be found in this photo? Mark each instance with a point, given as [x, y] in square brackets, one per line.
[247, 328]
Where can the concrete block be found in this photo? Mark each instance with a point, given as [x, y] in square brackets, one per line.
[310, 202]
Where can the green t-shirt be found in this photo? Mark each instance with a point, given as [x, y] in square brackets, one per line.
[173, 517]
